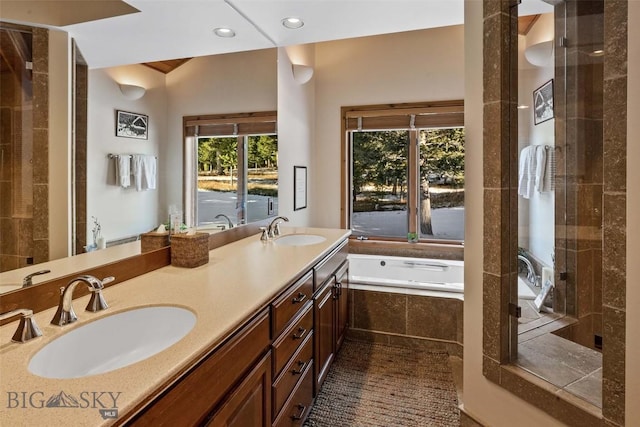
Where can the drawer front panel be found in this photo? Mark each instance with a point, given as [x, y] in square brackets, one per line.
[298, 406]
[288, 305]
[328, 267]
[292, 338]
[290, 375]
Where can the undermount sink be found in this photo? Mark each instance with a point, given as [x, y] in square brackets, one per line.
[299, 239]
[113, 342]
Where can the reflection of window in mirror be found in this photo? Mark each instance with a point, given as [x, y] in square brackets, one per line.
[235, 169]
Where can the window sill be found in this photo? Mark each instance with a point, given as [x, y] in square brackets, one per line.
[445, 250]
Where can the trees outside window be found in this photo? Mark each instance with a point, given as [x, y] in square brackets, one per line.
[406, 171]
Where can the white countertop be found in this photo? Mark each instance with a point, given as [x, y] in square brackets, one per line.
[240, 278]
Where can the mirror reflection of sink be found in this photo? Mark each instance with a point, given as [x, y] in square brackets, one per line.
[299, 239]
[112, 342]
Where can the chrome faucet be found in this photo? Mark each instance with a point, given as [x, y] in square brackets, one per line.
[274, 228]
[27, 328]
[229, 222]
[26, 282]
[65, 314]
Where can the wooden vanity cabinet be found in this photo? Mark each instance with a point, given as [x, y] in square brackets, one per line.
[228, 387]
[324, 312]
[330, 311]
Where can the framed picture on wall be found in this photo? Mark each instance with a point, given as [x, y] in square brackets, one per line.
[300, 187]
[543, 103]
[131, 125]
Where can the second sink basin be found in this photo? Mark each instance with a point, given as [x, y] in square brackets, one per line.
[299, 239]
[112, 342]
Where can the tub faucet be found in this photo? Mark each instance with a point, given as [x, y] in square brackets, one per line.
[531, 272]
[27, 328]
[26, 282]
[229, 222]
[65, 314]
[274, 228]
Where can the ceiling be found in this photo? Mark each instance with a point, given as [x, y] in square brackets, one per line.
[172, 29]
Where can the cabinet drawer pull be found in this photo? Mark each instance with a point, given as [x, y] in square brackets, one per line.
[301, 332]
[301, 297]
[298, 416]
[302, 365]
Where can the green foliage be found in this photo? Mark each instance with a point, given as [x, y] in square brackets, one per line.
[442, 154]
[379, 159]
[263, 151]
[219, 154]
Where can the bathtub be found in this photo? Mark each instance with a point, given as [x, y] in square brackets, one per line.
[414, 276]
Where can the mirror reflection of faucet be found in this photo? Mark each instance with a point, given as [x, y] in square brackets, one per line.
[229, 222]
[27, 281]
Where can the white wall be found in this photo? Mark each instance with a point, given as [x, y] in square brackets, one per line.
[633, 218]
[296, 115]
[488, 403]
[536, 217]
[232, 83]
[426, 65]
[59, 145]
[122, 212]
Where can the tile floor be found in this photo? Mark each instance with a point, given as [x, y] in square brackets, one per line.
[563, 363]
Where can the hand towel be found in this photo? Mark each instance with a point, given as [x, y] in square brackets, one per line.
[526, 171]
[550, 171]
[149, 167]
[123, 170]
[541, 163]
[136, 170]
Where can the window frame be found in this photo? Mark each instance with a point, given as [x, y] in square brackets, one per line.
[412, 117]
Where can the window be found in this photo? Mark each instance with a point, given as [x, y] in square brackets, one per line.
[406, 171]
[232, 169]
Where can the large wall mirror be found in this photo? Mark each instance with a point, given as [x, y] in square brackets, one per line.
[214, 84]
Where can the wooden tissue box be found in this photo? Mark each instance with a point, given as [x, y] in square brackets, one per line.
[189, 251]
[152, 241]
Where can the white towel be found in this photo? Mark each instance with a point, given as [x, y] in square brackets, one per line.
[136, 170]
[541, 164]
[123, 170]
[526, 172]
[149, 172]
[550, 171]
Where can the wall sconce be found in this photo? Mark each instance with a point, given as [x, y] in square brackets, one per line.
[301, 73]
[132, 92]
[540, 54]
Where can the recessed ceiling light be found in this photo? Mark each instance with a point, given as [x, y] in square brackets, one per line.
[292, 23]
[598, 52]
[224, 32]
[522, 107]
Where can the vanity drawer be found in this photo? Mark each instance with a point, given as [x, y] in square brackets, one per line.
[298, 406]
[330, 264]
[288, 305]
[291, 339]
[290, 375]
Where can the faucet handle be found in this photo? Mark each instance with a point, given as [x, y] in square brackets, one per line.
[27, 328]
[107, 280]
[265, 234]
[97, 302]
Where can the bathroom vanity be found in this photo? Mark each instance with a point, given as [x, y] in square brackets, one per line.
[270, 317]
